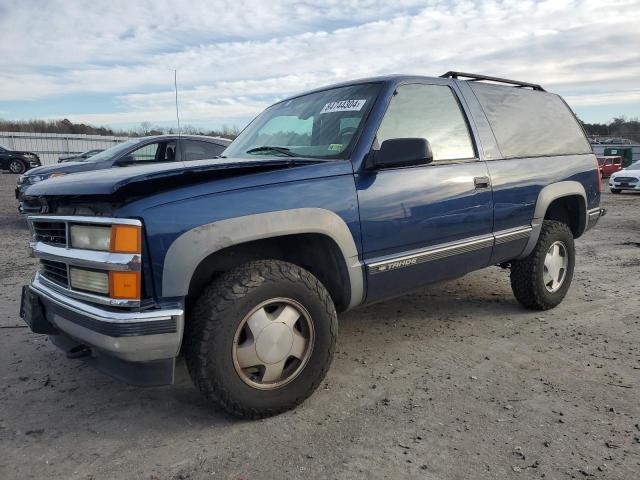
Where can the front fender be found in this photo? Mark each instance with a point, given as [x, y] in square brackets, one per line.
[189, 249]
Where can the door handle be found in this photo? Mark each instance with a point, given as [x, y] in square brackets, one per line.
[481, 182]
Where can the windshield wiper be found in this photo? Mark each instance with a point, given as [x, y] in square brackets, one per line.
[269, 148]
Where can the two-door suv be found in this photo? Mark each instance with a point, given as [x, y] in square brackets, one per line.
[342, 196]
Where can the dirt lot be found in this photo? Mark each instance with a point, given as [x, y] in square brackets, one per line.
[453, 381]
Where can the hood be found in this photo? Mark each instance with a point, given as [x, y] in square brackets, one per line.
[626, 172]
[66, 167]
[21, 152]
[156, 176]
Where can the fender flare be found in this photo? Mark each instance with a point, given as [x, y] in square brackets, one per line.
[189, 249]
[546, 196]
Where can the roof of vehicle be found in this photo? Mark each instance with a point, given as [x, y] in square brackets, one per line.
[450, 76]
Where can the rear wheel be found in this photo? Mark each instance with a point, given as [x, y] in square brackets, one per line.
[541, 280]
[17, 166]
[615, 190]
[261, 338]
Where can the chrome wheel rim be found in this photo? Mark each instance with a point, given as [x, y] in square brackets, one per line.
[15, 167]
[273, 343]
[555, 267]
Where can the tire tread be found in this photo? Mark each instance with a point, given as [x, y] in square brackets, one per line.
[208, 316]
[525, 272]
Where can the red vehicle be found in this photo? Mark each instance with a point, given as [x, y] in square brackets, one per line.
[609, 165]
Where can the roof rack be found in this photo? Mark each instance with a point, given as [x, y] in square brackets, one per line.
[474, 78]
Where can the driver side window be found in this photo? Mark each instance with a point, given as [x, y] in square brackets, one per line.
[431, 112]
[145, 154]
[155, 152]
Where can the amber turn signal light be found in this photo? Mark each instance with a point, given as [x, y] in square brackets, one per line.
[124, 285]
[126, 239]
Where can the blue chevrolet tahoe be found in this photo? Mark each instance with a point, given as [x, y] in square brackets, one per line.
[335, 198]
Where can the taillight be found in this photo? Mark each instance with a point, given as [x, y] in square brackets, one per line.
[599, 176]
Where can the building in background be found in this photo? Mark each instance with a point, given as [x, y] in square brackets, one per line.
[49, 146]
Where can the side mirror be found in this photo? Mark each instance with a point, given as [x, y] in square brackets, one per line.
[402, 152]
[126, 161]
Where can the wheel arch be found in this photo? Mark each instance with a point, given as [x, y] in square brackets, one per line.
[556, 202]
[297, 235]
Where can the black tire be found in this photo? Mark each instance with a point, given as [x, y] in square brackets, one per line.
[615, 190]
[527, 280]
[212, 325]
[17, 166]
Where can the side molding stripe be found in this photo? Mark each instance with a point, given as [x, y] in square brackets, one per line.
[450, 249]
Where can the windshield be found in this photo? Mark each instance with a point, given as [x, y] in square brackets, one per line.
[634, 166]
[111, 153]
[321, 125]
[2, 147]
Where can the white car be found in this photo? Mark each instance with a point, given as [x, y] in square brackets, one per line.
[626, 179]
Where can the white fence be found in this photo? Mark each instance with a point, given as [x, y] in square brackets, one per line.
[49, 146]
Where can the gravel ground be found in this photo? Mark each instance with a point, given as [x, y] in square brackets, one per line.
[454, 381]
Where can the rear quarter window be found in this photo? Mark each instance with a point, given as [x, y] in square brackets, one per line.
[529, 123]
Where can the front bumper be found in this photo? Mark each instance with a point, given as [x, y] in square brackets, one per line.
[594, 215]
[617, 185]
[138, 347]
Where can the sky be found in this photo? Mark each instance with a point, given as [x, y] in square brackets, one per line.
[111, 63]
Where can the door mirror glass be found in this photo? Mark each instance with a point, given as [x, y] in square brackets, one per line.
[402, 152]
[125, 161]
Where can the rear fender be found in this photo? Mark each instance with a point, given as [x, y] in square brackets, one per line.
[546, 197]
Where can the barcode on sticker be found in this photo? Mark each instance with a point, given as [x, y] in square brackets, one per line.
[343, 106]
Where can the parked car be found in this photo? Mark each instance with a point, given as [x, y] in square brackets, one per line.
[335, 198]
[137, 151]
[17, 161]
[79, 156]
[626, 179]
[609, 165]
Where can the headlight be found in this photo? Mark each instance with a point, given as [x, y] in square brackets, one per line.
[91, 237]
[116, 238]
[89, 280]
[34, 179]
[108, 238]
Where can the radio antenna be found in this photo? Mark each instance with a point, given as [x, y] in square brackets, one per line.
[175, 85]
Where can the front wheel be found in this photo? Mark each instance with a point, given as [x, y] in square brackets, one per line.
[17, 166]
[261, 338]
[541, 280]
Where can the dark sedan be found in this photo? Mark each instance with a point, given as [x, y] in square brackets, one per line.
[17, 161]
[137, 151]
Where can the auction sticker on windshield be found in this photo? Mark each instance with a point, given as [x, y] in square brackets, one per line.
[343, 106]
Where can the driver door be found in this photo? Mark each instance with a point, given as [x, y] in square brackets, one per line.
[427, 222]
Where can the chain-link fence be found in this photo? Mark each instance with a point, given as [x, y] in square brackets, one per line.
[49, 146]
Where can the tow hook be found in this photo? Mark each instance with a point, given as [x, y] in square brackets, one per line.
[603, 212]
[79, 351]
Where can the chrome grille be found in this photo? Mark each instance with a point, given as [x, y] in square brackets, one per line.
[54, 271]
[626, 179]
[52, 233]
